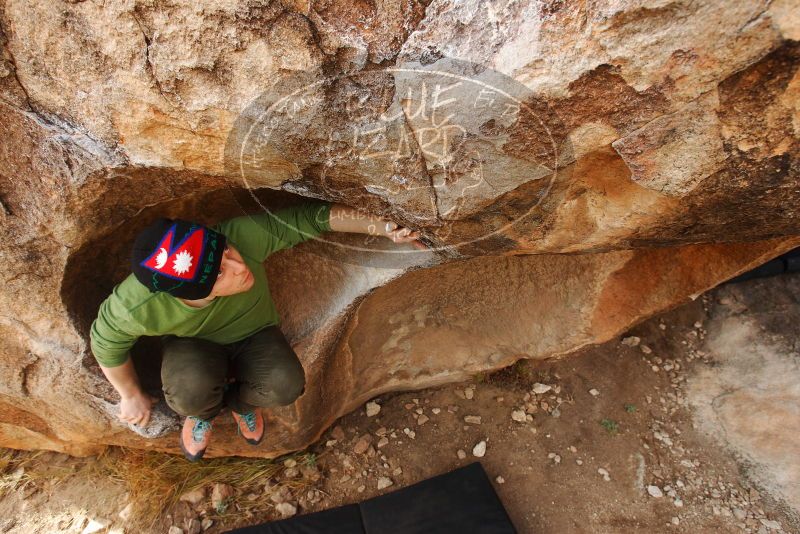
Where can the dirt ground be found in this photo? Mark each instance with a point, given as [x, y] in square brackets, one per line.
[601, 441]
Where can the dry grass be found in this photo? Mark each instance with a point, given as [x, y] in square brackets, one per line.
[155, 481]
[19, 469]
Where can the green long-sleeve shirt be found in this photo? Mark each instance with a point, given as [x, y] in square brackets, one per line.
[132, 310]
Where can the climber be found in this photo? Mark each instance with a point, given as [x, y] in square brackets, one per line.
[204, 290]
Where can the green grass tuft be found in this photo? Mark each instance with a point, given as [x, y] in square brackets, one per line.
[611, 426]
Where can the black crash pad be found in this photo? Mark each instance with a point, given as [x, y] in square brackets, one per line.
[783, 264]
[461, 501]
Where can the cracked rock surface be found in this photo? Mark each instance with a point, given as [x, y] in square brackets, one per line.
[587, 167]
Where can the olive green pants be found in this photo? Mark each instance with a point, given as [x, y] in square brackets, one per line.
[196, 373]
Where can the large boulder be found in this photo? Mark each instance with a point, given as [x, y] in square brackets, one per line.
[574, 169]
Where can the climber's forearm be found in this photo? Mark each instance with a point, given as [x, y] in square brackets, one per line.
[346, 219]
[124, 379]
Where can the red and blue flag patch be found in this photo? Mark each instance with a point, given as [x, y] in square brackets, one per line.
[181, 261]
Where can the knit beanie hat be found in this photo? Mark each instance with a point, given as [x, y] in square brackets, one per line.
[179, 257]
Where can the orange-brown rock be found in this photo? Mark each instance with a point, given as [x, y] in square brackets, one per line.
[574, 168]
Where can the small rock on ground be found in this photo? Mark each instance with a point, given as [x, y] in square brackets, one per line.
[373, 409]
[286, 509]
[194, 497]
[631, 341]
[95, 525]
[771, 524]
[540, 388]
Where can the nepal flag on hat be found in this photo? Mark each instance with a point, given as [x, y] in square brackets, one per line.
[180, 261]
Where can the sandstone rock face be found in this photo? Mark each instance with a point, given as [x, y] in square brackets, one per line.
[574, 168]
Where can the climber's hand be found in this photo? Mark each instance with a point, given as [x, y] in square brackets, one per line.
[399, 234]
[136, 409]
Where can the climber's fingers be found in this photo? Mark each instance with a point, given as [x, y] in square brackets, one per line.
[144, 420]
